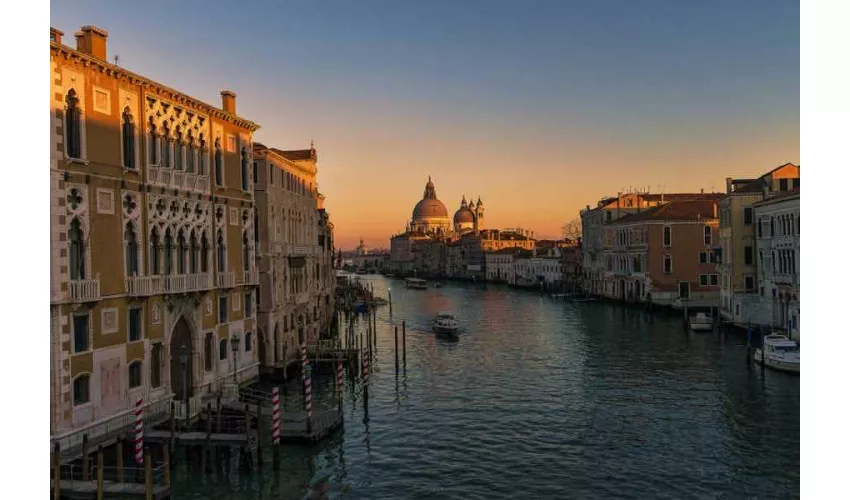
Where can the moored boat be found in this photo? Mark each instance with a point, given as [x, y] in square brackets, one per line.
[700, 322]
[780, 353]
[416, 283]
[444, 323]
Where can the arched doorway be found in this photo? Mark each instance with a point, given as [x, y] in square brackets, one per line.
[622, 289]
[261, 347]
[181, 337]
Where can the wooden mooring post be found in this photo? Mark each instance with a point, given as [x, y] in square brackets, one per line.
[166, 474]
[404, 344]
[172, 423]
[119, 458]
[259, 435]
[148, 475]
[57, 466]
[396, 349]
[100, 472]
[390, 295]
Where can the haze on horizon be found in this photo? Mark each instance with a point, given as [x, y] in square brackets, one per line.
[539, 107]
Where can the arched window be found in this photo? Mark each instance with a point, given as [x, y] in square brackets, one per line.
[205, 254]
[244, 169]
[72, 125]
[246, 252]
[179, 149]
[181, 252]
[772, 226]
[77, 252]
[132, 249]
[248, 342]
[219, 167]
[152, 140]
[169, 247]
[81, 389]
[222, 349]
[134, 374]
[155, 252]
[222, 255]
[193, 253]
[202, 156]
[128, 139]
[192, 153]
[166, 146]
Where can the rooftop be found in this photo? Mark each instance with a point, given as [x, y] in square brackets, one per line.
[676, 210]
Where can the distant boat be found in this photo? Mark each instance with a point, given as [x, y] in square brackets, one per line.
[438, 285]
[416, 283]
[444, 323]
[779, 353]
[700, 322]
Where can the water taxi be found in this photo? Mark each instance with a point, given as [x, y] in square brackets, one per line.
[444, 323]
[416, 283]
[779, 353]
[700, 322]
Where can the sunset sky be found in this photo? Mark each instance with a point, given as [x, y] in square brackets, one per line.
[539, 107]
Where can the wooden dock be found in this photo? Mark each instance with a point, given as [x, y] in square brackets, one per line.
[85, 490]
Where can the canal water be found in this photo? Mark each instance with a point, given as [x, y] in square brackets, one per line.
[541, 398]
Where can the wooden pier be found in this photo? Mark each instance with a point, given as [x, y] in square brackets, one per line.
[85, 490]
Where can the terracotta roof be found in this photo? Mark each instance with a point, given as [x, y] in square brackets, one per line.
[295, 154]
[677, 210]
[783, 195]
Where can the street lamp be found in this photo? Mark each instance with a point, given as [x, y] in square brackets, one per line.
[234, 346]
[184, 362]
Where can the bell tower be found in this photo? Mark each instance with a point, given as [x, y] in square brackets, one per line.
[479, 214]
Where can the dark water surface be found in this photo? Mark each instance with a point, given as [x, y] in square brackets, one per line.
[545, 399]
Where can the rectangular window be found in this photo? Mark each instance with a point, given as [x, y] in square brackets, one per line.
[749, 283]
[156, 363]
[713, 280]
[271, 174]
[748, 215]
[222, 349]
[759, 228]
[222, 309]
[248, 305]
[135, 324]
[748, 255]
[231, 144]
[668, 264]
[796, 183]
[703, 280]
[81, 333]
[703, 257]
[707, 235]
[783, 184]
[135, 374]
[668, 236]
[684, 289]
[208, 351]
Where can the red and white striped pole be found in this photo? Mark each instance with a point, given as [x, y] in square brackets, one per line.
[308, 390]
[140, 433]
[365, 364]
[339, 377]
[276, 415]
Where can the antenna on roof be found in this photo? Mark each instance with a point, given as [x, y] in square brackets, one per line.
[116, 59]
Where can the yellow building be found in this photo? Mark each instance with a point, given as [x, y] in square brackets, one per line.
[295, 254]
[152, 214]
[737, 265]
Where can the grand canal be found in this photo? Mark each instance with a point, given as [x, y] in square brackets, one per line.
[545, 399]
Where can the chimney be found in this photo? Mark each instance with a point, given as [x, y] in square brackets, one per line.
[702, 191]
[728, 185]
[56, 36]
[91, 40]
[228, 101]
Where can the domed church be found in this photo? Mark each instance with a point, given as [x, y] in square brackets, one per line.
[431, 217]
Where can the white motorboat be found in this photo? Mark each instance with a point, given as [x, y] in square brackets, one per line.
[779, 353]
[416, 283]
[700, 322]
[444, 323]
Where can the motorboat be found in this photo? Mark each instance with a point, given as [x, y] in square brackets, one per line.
[444, 323]
[780, 353]
[700, 322]
[438, 285]
[416, 283]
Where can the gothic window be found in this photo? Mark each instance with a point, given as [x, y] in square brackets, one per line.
[135, 374]
[192, 153]
[222, 255]
[205, 253]
[202, 156]
[219, 167]
[81, 389]
[244, 169]
[246, 252]
[179, 149]
[165, 144]
[193, 253]
[181, 252]
[128, 139]
[169, 258]
[132, 248]
[152, 139]
[72, 125]
[154, 252]
[77, 266]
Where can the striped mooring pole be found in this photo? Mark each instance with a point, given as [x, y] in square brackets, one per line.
[365, 367]
[140, 433]
[308, 390]
[276, 415]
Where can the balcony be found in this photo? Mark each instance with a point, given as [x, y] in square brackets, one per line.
[143, 286]
[84, 290]
[178, 179]
[226, 280]
[300, 250]
[251, 277]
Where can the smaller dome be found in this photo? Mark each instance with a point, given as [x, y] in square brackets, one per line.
[464, 215]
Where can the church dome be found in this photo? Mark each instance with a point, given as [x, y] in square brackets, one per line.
[429, 206]
[464, 215]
